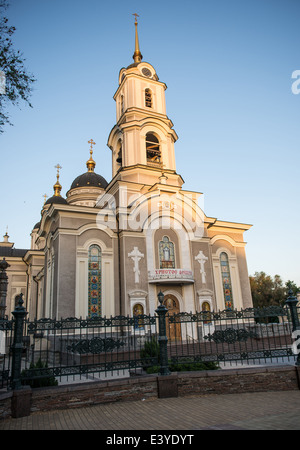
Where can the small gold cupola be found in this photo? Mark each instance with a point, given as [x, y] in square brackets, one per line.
[90, 164]
[56, 197]
[57, 186]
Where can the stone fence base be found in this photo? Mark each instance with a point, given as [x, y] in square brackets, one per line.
[180, 384]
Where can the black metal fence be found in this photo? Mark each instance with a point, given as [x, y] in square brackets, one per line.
[47, 352]
[251, 336]
[86, 348]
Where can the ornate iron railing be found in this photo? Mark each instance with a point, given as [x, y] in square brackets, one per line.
[91, 347]
[49, 351]
[249, 336]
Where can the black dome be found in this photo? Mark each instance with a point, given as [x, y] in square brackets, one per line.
[56, 199]
[89, 179]
[133, 65]
[37, 225]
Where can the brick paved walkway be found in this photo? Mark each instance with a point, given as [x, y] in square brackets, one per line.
[249, 411]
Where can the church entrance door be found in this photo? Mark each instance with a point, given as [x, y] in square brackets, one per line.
[173, 329]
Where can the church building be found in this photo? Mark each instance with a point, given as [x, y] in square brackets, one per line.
[111, 246]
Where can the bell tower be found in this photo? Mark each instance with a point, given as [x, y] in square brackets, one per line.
[142, 141]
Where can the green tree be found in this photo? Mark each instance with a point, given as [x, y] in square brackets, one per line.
[268, 291]
[15, 82]
[291, 285]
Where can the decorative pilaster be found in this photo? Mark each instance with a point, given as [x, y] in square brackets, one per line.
[3, 287]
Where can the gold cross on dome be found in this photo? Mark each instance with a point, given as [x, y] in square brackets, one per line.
[45, 198]
[136, 15]
[92, 143]
[57, 167]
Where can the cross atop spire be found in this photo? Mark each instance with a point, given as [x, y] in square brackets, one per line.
[136, 15]
[57, 186]
[58, 167]
[91, 163]
[92, 143]
[137, 56]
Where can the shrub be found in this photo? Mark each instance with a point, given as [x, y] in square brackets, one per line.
[186, 367]
[150, 353]
[40, 376]
[150, 356]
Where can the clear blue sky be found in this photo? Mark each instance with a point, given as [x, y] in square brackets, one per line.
[228, 66]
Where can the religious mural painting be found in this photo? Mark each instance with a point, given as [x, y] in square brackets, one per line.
[138, 311]
[206, 313]
[166, 254]
[226, 281]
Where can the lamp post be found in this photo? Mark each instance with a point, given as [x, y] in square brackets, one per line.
[162, 338]
[19, 314]
[3, 287]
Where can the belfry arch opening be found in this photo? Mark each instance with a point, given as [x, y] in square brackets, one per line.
[153, 149]
[148, 98]
[119, 153]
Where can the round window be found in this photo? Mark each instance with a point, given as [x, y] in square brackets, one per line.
[146, 72]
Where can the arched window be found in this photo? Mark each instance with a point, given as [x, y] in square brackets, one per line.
[152, 149]
[119, 152]
[138, 310]
[94, 282]
[148, 98]
[226, 281]
[166, 254]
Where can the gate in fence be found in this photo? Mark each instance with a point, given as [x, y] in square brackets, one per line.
[44, 352]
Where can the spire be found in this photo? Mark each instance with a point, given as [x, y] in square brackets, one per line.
[90, 164]
[137, 56]
[6, 235]
[57, 186]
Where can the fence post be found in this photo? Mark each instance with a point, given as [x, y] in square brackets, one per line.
[19, 314]
[292, 304]
[162, 338]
